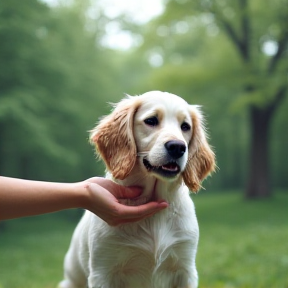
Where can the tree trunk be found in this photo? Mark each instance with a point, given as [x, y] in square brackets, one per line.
[259, 185]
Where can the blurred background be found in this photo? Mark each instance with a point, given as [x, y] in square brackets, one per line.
[62, 61]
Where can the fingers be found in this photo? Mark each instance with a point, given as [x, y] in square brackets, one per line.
[107, 206]
[117, 190]
[128, 214]
[128, 192]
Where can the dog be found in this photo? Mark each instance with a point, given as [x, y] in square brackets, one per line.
[156, 141]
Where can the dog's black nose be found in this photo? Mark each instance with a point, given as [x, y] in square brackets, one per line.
[175, 148]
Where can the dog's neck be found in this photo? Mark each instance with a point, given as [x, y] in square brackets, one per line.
[154, 189]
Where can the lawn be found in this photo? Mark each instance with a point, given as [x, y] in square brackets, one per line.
[242, 244]
[32, 251]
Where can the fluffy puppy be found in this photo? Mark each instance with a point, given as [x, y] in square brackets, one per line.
[156, 141]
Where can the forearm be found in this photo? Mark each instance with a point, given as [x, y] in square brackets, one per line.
[20, 198]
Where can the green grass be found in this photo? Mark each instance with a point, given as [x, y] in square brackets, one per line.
[243, 244]
[32, 251]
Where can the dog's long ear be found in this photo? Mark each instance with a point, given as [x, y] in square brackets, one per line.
[114, 140]
[201, 158]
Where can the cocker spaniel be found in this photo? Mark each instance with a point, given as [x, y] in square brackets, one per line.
[156, 141]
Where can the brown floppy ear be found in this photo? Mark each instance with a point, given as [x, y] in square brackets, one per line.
[201, 158]
[114, 140]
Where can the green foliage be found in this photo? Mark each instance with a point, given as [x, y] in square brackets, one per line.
[56, 80]
[53, 85]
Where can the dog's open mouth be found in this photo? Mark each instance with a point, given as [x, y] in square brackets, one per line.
[169, 169]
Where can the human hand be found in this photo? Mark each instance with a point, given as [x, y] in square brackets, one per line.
[104, 201]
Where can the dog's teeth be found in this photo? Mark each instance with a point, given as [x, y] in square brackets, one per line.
[170, 167]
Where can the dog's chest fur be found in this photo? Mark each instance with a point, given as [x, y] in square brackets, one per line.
[150, 250]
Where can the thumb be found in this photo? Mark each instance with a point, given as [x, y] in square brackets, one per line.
[117, 190]
[129, 192]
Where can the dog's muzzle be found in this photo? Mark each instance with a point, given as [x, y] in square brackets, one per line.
[170, 169]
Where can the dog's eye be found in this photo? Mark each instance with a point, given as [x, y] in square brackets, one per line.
[152, 121]
[185, 127]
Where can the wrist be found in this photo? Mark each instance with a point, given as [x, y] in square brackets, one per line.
[81, 197]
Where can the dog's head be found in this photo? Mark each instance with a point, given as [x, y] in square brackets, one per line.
[162, 131]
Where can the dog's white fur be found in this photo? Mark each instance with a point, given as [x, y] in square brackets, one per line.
[159, 251]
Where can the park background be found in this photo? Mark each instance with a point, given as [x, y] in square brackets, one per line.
[61, 62]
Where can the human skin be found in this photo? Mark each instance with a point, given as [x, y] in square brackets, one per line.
[21, 198]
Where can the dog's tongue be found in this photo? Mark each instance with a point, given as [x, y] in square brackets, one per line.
[170, 167]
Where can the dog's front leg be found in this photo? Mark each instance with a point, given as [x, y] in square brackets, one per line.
[176, 279]
[178, 269]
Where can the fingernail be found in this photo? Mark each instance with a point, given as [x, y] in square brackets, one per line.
[163, 204]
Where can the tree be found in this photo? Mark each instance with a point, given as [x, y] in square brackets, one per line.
[254, 60]
[247, 37]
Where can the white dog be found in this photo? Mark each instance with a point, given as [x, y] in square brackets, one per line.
[155, 141]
